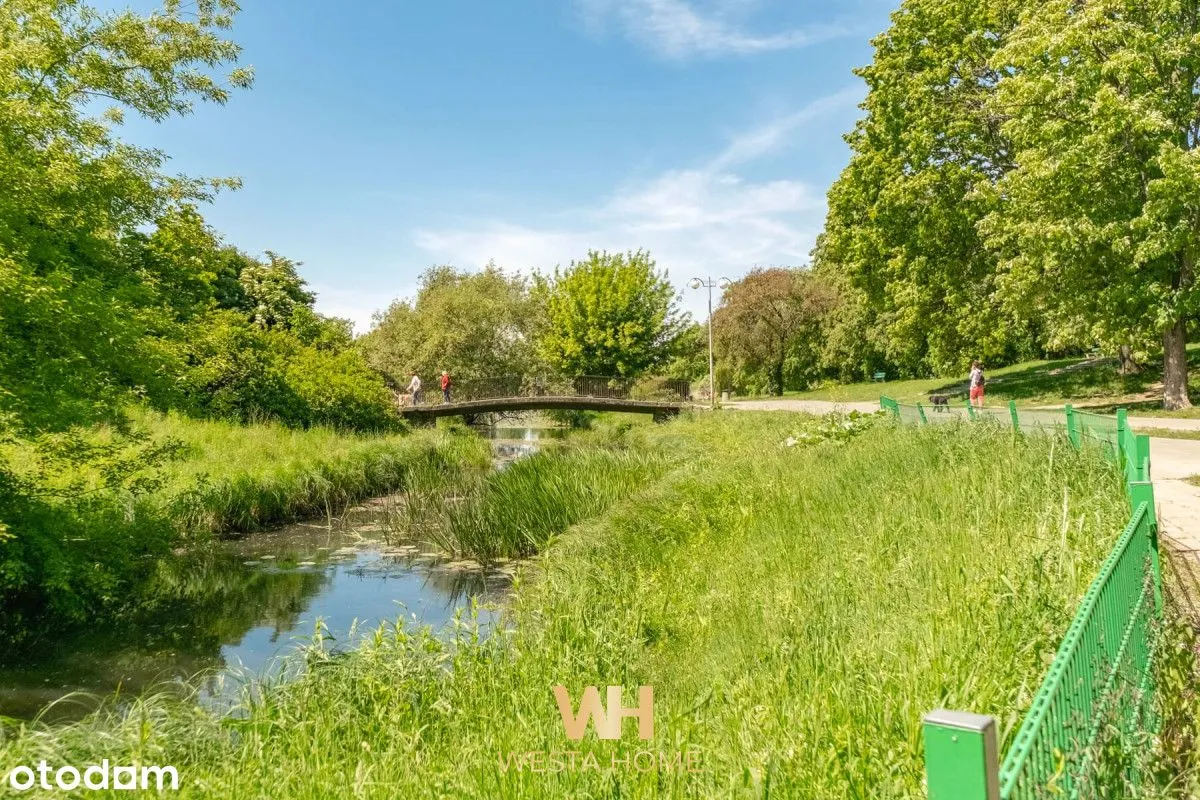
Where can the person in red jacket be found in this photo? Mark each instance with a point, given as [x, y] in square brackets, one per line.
[445, 386]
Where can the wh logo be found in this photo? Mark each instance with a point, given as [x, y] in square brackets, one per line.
[607, 722]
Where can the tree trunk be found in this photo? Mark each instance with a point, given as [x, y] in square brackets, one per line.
[775, 380]
[1175, 368]
[1128, 365]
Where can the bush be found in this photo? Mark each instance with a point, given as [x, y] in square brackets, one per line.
[245, 373]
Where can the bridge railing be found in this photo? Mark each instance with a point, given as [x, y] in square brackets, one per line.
[666, 390]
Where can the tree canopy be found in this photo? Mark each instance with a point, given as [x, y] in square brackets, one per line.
[73, 315]
[1098, 225]
[611, 314]
[1024, 181]
[770, 320]
[476, 325]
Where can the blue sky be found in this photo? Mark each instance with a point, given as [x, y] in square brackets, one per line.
[383, 137]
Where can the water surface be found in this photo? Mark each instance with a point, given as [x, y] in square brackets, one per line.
[236, 609]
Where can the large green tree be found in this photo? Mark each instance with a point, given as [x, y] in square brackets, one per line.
[474, 324]
[769, 318]
[73, 313]
[612, 314]
[1099, 224]
[901, 241]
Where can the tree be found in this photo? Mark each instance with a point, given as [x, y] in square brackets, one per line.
[689, 354]
[272, 291]
[901, 241]
[73, 316]
[476, 325]
[769, 317]
[612, 314]
[1099, 225]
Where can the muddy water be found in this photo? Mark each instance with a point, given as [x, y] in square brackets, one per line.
[237, 608]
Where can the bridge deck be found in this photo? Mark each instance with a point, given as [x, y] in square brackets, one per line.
[502, 404]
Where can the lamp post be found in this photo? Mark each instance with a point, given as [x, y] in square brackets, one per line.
[709, 283]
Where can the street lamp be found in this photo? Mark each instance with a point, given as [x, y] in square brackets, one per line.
[709, 283]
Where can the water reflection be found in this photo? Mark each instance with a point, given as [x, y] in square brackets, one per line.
[235, 608]
[512, 443]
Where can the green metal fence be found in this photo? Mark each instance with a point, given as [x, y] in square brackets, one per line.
[1095, 706]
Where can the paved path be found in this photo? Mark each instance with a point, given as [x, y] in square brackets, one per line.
[1171, 460]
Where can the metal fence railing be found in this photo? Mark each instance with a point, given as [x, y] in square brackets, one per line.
[1095, 707]
[506, 386]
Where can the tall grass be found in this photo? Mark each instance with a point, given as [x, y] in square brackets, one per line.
[796, 609]
[241, 478]
[514, 512]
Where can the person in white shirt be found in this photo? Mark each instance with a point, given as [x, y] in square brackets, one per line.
[414, 388]
[978, 381]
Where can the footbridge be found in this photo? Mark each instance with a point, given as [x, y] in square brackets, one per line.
[661, 397]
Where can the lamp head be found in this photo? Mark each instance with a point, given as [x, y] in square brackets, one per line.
[695, 283]
[724, 283]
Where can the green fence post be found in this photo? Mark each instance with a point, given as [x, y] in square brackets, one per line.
[970, 410]
[1122, 425]
[1072, 425]
[921, 413]
[961, 757]
[1012, 412]
[1143, 457]
[1143, 492]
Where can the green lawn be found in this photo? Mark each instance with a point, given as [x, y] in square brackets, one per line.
[1091, 383]
[796, 610]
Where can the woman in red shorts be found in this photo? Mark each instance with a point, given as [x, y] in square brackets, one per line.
[977, 384]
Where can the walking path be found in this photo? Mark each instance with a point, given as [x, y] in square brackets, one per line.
[1171, 461]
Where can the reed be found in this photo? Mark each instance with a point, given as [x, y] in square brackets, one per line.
[515, 512]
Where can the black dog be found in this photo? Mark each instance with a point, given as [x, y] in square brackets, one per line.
[940, 402]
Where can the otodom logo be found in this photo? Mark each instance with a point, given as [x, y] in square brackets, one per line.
[608, 720]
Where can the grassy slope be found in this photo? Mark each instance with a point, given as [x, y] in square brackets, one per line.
[796, 610]
[1034, 383]
[233, 477]
[242, 478]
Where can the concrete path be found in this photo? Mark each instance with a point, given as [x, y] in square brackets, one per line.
[1171, 460]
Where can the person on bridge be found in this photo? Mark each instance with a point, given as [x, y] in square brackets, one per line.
[445, 386]
[414, 388]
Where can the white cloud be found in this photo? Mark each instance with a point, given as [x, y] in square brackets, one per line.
[699, 221]
[357, 305]
[680, 29]
[781, 131]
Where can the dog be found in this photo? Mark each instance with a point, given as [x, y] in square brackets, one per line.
[940, 402]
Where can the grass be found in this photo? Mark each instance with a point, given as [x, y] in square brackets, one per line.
[1167, 433]
[796, 609]
[515, 512]
[1094, 383]
[240, 478]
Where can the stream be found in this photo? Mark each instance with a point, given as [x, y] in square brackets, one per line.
[233, 611]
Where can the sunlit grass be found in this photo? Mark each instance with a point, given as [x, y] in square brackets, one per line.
[796, 609]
